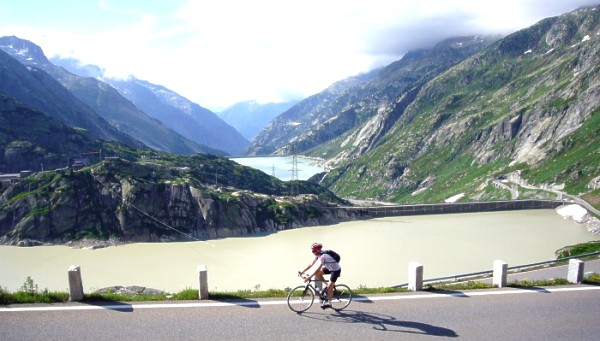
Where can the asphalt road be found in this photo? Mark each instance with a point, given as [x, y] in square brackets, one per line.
[553, 313]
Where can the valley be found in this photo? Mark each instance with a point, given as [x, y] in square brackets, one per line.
[133, 161]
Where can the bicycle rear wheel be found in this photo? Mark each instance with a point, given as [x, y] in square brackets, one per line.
[300, 298]
[342, 296]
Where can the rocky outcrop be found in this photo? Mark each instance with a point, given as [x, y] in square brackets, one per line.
[129, 290]
[129, 202]
[594, 183]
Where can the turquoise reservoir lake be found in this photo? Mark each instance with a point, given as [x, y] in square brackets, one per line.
[281, 166]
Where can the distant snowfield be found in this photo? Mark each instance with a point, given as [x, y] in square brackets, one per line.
[573, 211]
[454, 198]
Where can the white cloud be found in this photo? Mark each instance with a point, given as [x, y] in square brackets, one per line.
[219, 52]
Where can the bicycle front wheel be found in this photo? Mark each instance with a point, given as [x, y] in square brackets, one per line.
[342, 296]
[300, 298]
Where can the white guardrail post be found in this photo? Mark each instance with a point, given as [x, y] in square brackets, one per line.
[75, 284]
[575, 274]
[415, 276]
[500, 273]
[202, 282]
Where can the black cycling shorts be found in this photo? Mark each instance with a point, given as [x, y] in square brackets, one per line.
[334, 274]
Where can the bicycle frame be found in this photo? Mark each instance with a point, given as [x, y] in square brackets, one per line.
[316, 290]
[302, 297]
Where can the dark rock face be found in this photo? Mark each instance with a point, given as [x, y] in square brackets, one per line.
[120, 201]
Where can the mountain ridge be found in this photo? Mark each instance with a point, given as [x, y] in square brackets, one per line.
[514, 107]
[346, 106]
[21, 83]
[45, 142]
[102, 99]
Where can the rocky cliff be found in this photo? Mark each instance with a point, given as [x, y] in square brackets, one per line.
[123, 201]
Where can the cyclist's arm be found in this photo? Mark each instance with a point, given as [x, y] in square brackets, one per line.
[309, 266]
[317, 269]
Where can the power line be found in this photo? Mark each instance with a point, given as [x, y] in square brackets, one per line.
[294, 169]
[294, 178]
[161, 222]
[148, 215]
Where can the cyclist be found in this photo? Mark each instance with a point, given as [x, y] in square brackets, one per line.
[327, 265]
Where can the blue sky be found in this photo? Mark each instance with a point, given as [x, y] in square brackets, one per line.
[217, 53]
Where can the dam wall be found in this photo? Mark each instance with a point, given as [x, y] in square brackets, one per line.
[458, 207]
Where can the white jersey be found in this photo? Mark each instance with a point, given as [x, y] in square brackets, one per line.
[329, 263]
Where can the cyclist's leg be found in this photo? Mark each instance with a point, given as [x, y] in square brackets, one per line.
[320, 279]
[332, 279]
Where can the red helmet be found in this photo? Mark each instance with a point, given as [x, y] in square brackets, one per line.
[316, 247]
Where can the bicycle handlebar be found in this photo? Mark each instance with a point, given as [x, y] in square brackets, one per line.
[314, 279]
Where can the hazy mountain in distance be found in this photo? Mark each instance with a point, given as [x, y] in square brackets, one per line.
[281, 135]
[250, 117]
[182, 115]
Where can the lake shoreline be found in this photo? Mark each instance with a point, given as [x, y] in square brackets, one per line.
[573, 212]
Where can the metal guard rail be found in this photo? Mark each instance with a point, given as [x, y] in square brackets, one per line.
[518, 268]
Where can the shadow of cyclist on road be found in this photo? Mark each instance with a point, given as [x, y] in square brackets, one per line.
[387, 323]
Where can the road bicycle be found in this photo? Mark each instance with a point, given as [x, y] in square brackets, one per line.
[302, 297]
